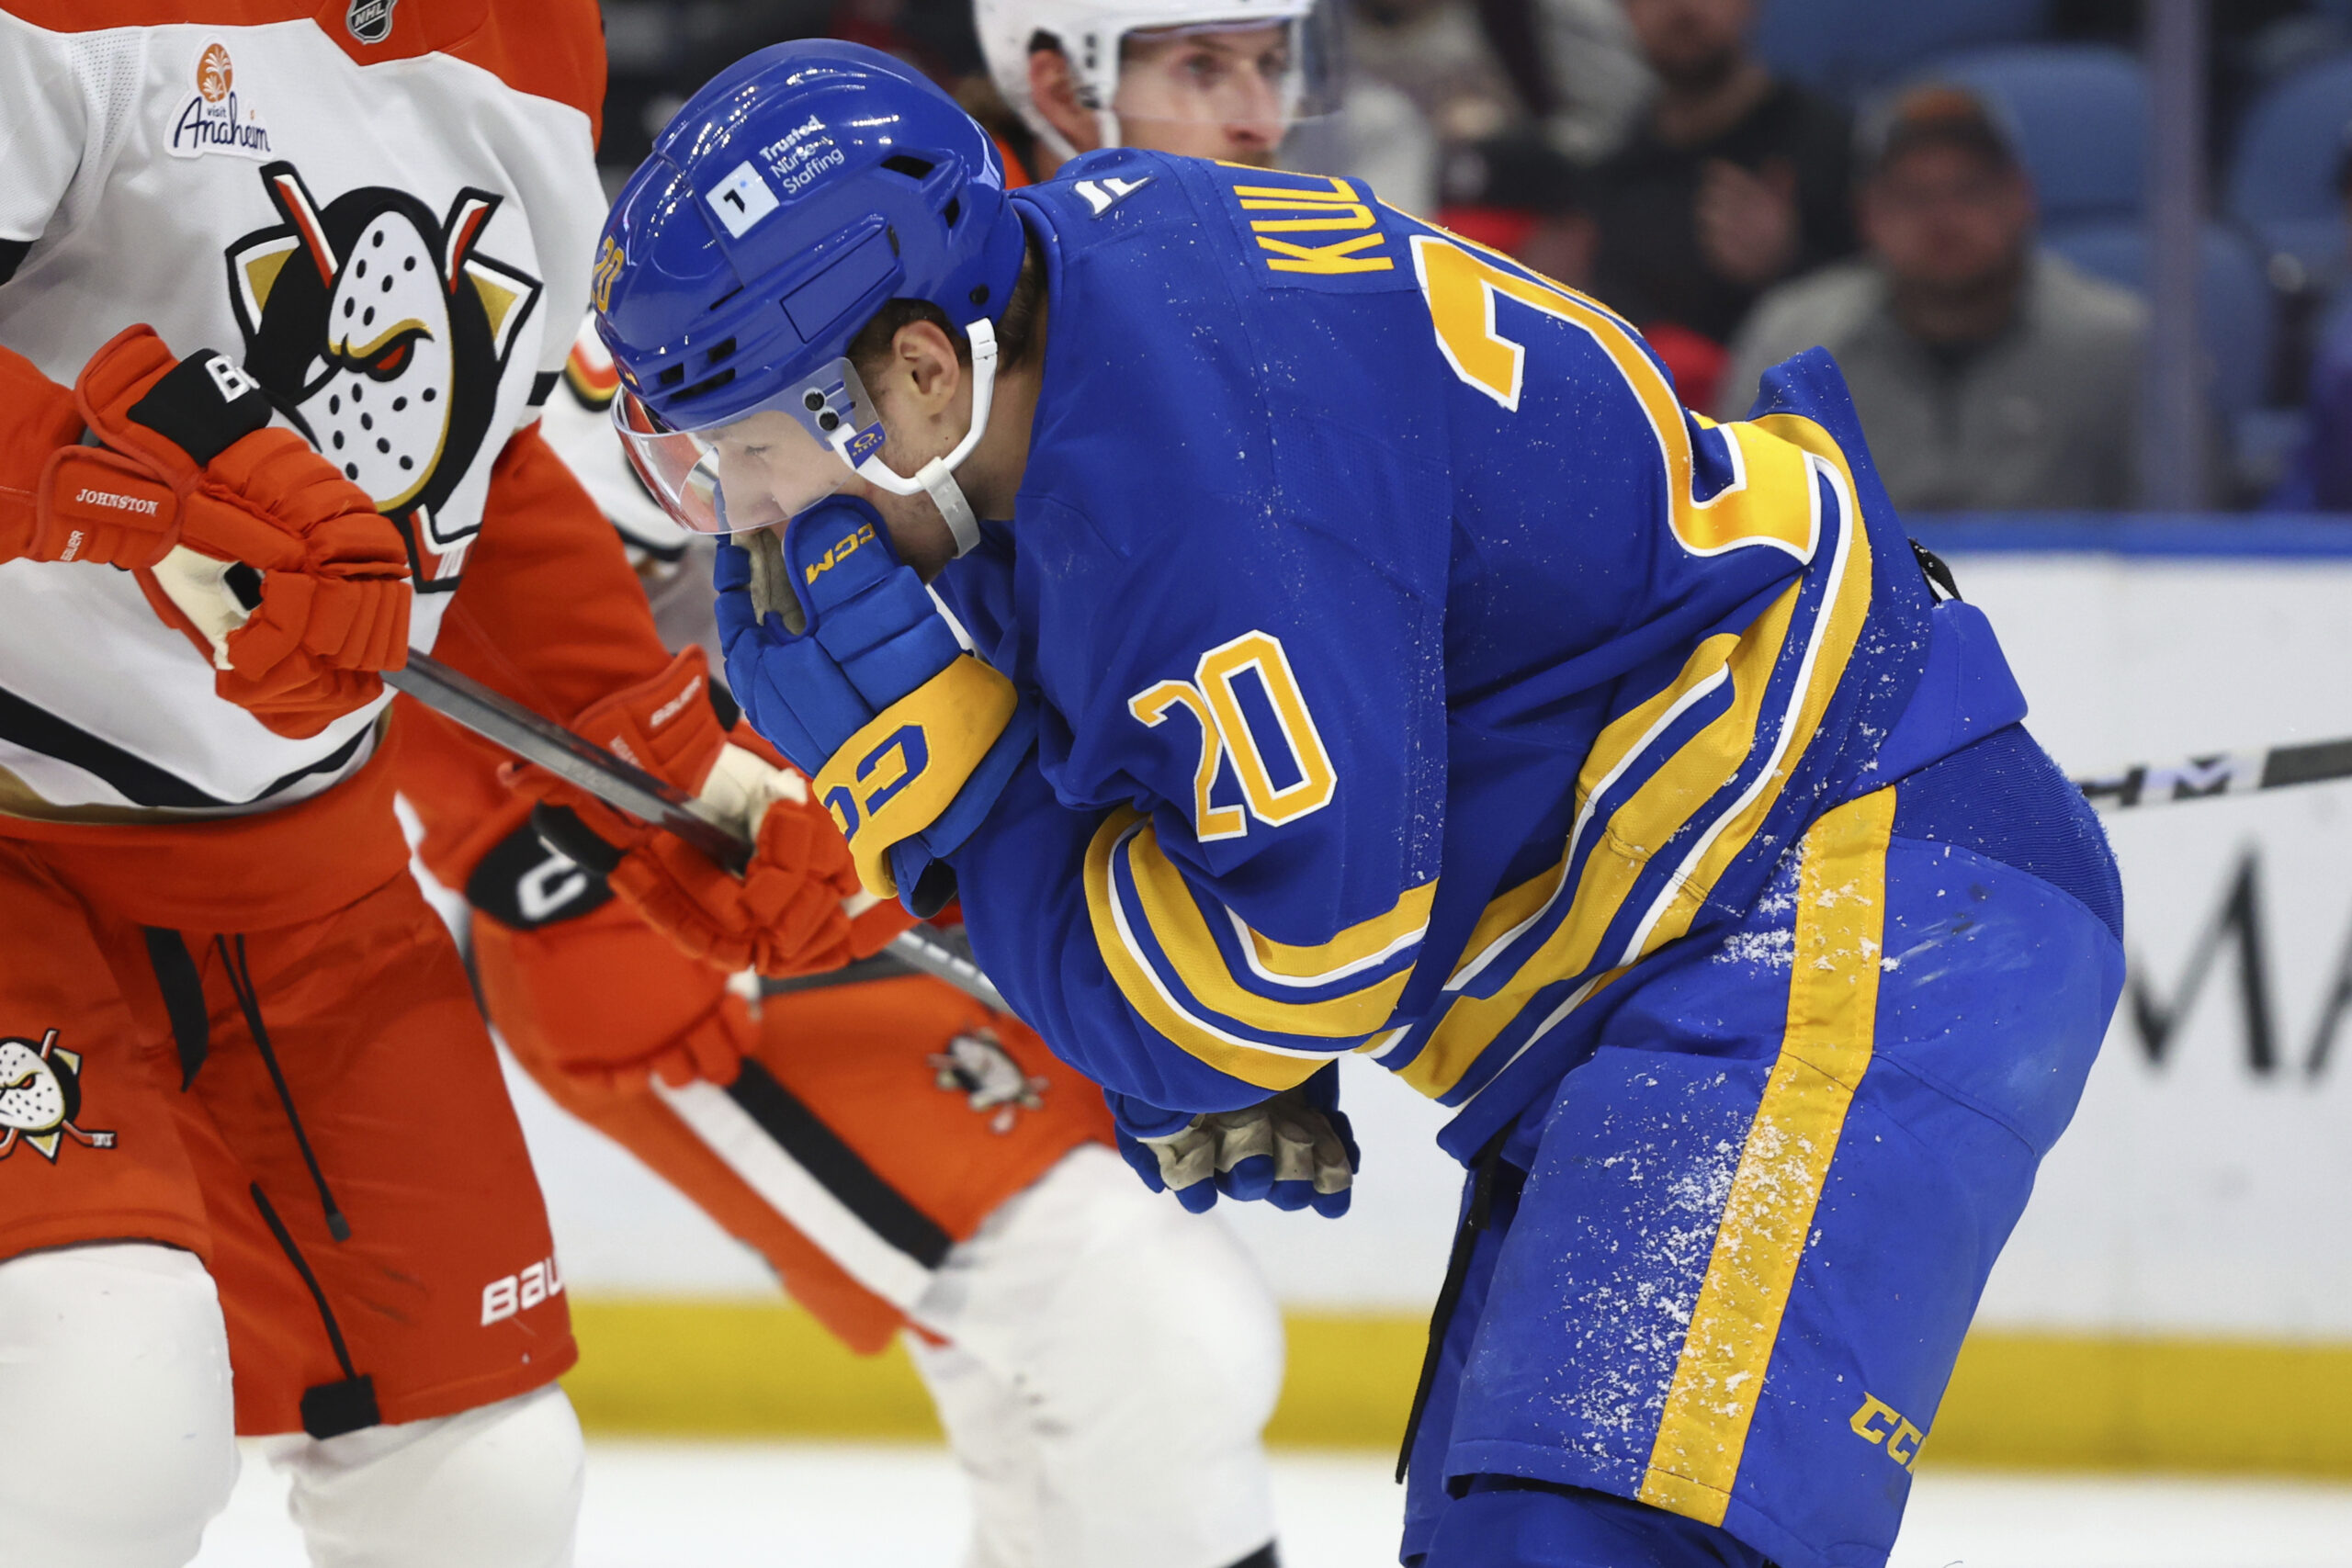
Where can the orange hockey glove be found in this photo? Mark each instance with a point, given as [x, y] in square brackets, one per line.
[605, 1003]
[190, 483]
[797, 909]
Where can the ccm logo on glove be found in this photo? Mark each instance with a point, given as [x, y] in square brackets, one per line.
[890, 767]
[840, 553]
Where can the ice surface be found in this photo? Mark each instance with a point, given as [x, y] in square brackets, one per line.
[742, 1504]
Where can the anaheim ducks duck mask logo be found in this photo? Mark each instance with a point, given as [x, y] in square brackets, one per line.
[383, 331]
[978, 1067]
[40, 1093]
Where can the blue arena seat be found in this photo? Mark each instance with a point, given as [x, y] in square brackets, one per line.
[1842, 47]
[2282, 178]
[2080, 116]
[2235, 309]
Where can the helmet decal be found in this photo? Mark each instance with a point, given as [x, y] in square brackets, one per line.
[610, 259]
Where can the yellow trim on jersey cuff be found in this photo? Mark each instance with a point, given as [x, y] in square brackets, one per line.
[1170, 908]
[1366, 939]
[1236, 1058]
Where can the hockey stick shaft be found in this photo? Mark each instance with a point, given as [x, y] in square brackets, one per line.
[2221, 773]
[618, 784]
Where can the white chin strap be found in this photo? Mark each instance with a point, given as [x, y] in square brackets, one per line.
[936, 479]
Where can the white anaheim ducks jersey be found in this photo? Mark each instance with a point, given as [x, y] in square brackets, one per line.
[385, 209]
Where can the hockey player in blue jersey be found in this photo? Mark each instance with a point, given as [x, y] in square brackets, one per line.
[1296, 631]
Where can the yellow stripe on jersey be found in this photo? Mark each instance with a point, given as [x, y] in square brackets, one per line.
[1360, 945]
[1132, 973]
[1176, 922]
[1832, 1020]
[1679, 786]
[1621, 745]
[1835, 632]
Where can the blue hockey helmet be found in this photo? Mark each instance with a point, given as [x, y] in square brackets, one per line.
[800, 190]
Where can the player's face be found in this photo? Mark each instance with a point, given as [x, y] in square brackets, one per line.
[1205, 92]
[764, 460]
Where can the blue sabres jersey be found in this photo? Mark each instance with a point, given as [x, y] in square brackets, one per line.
[1411, 663]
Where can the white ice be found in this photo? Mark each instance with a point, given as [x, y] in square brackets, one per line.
[724, 1504]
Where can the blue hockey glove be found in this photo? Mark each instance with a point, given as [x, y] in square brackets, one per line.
[1294, 1151]
[843, 661]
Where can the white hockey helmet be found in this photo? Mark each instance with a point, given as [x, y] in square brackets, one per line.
[1090, 32]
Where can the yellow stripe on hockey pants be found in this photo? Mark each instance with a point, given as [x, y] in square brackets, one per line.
[1833, 1011]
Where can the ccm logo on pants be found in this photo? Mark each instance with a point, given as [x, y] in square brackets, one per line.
[502, 1299]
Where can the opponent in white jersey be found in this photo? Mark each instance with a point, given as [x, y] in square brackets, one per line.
[257, 1168]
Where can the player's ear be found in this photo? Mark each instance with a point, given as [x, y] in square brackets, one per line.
[924, 357]
[1055, 89]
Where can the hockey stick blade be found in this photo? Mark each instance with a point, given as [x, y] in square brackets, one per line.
[626, 787]
[2221, 773]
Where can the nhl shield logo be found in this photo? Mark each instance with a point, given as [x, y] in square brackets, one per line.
[40, 1093]
[369, 21]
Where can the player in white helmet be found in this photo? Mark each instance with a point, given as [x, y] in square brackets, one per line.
[1206, 78]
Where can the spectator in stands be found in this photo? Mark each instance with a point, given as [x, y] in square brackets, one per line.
[1989, 374]
[1731, 180]
[2320, 479]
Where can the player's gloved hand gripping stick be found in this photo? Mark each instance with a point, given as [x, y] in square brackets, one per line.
[643, 796]
[848, 666]
[181, 478]
[784, 912]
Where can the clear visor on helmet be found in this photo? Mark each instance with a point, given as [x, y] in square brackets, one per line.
[761, 466]
[1266, 73]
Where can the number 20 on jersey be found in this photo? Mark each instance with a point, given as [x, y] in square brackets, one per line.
[1278, 756]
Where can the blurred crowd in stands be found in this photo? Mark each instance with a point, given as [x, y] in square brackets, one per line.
[1949, 194]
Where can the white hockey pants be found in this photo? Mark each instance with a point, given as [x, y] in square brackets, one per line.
[1112, 1361]
[117, 1446]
